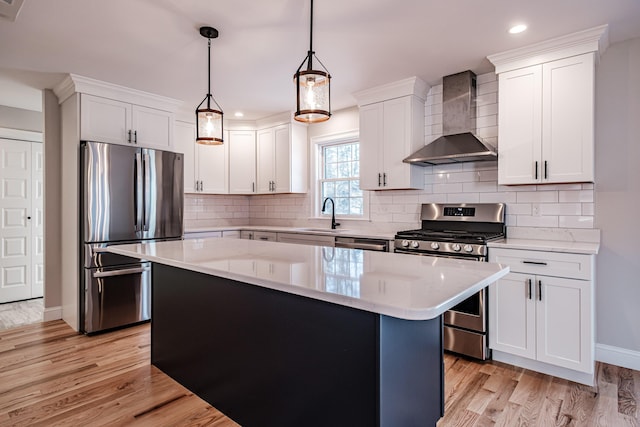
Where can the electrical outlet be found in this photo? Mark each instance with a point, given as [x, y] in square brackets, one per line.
[535, 209]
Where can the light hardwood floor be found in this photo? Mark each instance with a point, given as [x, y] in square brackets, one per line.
[51, 376]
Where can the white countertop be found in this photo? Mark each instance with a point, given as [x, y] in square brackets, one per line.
[547, 246]
[397, 285]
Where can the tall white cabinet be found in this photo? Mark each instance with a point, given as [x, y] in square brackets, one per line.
[205, 166]
[242, 162]
[282, 159]
[546, 110]
[541, 314]
[391, 128]
[101, 111]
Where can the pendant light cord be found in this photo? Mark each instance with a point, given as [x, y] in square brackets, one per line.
[310, 54]
[209, 74]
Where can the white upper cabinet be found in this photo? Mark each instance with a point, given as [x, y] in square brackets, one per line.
[107, 120]
[546, 121]
[391, 128]
[205, 166]
[546, 110]
[242, 162]
[282, 159]
[120, 115]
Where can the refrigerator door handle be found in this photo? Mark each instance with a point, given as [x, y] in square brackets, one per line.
[147, 192]
[137, 193]
[121, 272]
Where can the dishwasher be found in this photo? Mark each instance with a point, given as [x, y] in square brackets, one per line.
[367, 244]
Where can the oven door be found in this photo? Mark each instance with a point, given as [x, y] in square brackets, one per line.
[469, 314]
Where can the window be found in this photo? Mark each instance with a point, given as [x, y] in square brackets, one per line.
[338, 176]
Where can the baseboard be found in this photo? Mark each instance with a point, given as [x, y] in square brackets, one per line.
[545, 368]
[52, 313]
[618, 356]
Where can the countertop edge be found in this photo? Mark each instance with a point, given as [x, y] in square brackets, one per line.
[586, 248]
[406, 313]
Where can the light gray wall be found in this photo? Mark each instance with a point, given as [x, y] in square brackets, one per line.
[17, 118]
[52, 207]
[617, 207]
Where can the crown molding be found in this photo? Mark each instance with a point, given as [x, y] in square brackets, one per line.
[409, 86]
[74, 83]
[591, 40]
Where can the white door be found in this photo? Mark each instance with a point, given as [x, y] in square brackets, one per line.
[563, 316]
[512, 321]
[15, 227]
[396, 142]
[520, 126]
[242, 162]
[213, 161]
[185, 143]
[105, 120]
[37, 220]
[282, 154]
[371, 134]
[265, 148]
[152, 128]
[567, 118]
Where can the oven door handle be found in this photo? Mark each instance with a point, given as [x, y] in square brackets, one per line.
[362, 245]
[122, 272]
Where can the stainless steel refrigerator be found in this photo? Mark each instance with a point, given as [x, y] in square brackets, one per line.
[128, 195]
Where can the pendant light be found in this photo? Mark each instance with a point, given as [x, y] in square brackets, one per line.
[209, 120]
[313, 87]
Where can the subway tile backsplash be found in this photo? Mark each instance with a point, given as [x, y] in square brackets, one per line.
[546, 207]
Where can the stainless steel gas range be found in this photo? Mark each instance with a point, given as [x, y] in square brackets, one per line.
[459, 231]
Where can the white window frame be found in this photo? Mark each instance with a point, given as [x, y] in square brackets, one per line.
[317, 143]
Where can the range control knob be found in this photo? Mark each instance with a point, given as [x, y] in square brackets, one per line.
[456, 247]
[414, 244]
[435, 246]
[468, 248]
[405, 243]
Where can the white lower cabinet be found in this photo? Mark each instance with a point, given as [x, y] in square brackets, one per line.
[267, 236]
[541, 314]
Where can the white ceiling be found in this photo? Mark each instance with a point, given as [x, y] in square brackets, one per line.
[154, 45]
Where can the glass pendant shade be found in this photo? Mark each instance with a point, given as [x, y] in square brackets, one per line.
[314, 96]
[209, 126]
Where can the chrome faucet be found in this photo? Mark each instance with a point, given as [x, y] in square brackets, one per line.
[334, 224]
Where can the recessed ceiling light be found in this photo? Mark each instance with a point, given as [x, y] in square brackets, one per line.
[239, 114]
[517, 29]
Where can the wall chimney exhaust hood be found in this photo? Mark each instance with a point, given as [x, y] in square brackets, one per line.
[458, 143]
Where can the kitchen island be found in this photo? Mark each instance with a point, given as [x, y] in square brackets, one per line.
[276, 334]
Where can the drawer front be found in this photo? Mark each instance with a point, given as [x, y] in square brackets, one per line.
[265, 235]
[557, 264]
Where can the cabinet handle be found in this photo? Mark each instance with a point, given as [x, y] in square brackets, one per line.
[201, 185]
[135, 136]
[546, 175]
[540, 290]
[379, 178]
[129, 139]
[253, 187]
[529, 288]
[264, 238]
[274, 186]
[384, 179]
[536, 169]
[535, 262]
